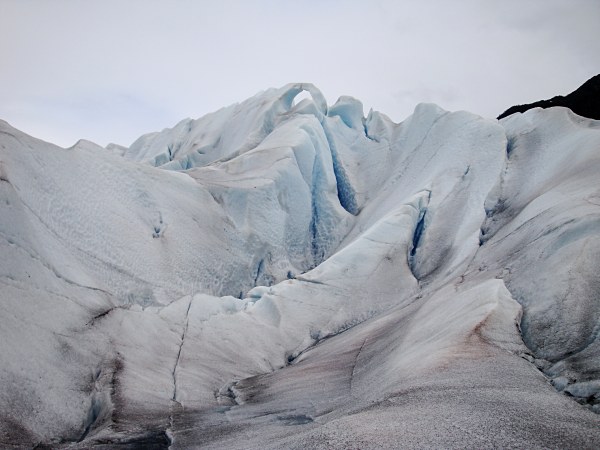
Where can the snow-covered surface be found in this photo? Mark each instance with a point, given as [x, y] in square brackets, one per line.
[283, 274]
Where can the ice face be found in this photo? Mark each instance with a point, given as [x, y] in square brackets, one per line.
[283, 273]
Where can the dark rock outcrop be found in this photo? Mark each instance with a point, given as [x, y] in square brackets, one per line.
[585, 101]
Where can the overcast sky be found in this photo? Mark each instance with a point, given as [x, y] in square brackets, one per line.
[109, 71]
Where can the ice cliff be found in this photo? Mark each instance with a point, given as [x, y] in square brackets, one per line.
[293, 274]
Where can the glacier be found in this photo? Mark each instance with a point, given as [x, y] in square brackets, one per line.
[284, 273]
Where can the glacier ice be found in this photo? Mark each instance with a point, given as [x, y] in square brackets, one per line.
[284, 274]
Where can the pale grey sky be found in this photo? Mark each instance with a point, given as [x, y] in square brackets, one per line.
[111, 70]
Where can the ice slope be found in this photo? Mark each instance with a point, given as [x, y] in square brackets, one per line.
[292, 274]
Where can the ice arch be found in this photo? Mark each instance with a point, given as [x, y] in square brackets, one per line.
[290, 92]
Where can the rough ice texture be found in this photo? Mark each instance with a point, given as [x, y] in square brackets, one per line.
[283, 274]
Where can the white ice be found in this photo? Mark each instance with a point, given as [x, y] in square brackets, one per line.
[283, 274]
